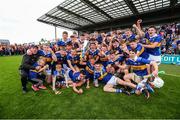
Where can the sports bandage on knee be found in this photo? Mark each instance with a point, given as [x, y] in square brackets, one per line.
[142, 83]
[138, 87]
[118, 91]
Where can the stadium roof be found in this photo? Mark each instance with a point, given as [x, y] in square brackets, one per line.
[90, 15]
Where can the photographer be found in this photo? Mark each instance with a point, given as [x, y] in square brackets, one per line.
[27, 61]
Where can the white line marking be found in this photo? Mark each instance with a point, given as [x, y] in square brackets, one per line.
[172, 75]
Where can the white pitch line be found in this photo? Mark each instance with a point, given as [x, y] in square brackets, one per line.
[172, 75]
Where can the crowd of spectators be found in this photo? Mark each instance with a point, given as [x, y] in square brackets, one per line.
[8, 50]
[171, 38]
[169, 32]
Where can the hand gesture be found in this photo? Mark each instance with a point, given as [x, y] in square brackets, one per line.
[139, 21]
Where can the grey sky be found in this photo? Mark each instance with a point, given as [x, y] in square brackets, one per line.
[18, 20]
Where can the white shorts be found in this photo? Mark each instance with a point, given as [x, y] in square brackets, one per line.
[65, 67]
[67, 77]
[155, 58]
[67, 70]
[142, 83]
[112, 81]
[48, 72]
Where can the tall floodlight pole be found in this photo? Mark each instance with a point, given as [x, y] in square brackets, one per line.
[55, 30]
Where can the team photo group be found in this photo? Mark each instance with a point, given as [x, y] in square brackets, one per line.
[122, 61]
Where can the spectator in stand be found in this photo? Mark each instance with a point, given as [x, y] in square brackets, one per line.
[169, 32]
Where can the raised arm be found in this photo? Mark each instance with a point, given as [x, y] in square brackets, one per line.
[53, 55]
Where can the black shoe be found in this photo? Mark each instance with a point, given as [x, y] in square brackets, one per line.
[146, 93]
[24, 91]
[126, 92]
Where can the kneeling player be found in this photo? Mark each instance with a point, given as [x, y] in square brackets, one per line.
[98, 71]
[78, 79]
[34, 75]
[59, 78]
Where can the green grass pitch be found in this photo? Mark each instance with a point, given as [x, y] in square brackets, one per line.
[94, 103]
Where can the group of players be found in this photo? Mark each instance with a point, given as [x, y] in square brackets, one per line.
[119, 60]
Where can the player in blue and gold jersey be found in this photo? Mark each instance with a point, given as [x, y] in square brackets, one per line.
[153, 44]
[139, 68]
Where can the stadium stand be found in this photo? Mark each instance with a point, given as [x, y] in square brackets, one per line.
[106, 15]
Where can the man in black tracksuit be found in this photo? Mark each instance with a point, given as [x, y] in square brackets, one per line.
[27, 61]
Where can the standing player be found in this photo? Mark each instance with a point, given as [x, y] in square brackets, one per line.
[73, 60]
[92, 52]
[153, 45]
[62, 42]
[141, 51]
[103, 54]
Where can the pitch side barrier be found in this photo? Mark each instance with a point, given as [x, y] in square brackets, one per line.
[170, 59]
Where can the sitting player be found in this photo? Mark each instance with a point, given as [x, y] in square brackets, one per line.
[34, 75]
[111, 81]
[139, 68]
